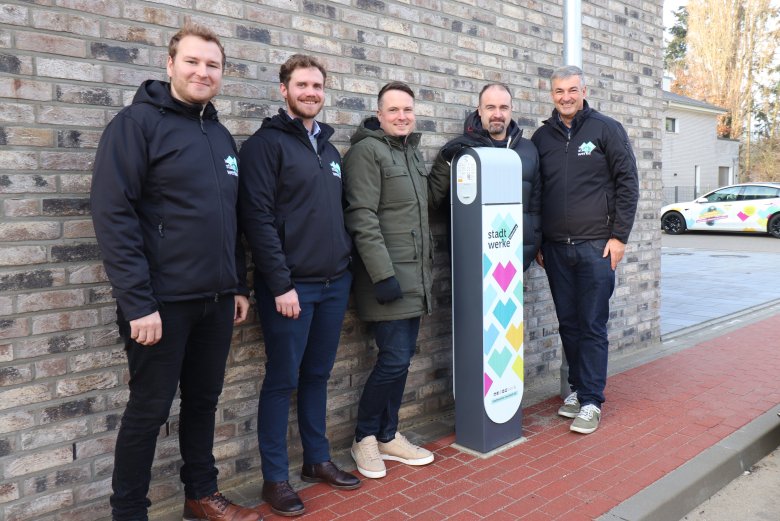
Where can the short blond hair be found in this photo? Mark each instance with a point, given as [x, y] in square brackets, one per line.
[193, 29]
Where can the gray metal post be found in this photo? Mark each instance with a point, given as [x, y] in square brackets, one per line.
[572, 55]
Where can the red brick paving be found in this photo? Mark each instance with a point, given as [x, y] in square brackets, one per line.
[657, 417]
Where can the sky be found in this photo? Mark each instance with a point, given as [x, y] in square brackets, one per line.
[669, 7]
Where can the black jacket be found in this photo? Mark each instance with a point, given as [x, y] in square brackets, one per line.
[476, 136]
[163, 200]
[290, 205]
[590, 186]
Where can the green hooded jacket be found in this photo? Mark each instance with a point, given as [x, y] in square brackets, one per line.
[388, 192]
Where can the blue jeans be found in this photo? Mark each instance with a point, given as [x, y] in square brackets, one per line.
[384, 389]
[299, 355]
[581, 283]
[191, 355]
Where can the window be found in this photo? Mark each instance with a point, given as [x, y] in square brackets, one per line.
[754, 192]
[724, 195]
[724, 175]
[671, 125]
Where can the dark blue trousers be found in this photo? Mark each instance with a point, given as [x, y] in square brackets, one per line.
[191, 355]
[384, 389]
[581, 283]
[299, 356]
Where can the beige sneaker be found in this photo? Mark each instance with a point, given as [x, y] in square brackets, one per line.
[367, 458]
[401, 449]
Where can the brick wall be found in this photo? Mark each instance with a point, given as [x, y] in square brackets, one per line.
[67, 67]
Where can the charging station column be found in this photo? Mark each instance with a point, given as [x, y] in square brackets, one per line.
[487, 297]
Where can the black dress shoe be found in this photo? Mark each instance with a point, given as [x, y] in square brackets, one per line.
[329, 473]
[282, 498]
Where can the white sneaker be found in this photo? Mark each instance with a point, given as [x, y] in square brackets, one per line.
[401, 449]
[367, 458]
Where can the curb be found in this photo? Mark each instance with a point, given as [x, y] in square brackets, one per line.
[682, 490]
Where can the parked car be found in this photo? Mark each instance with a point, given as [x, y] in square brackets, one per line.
[747, 207]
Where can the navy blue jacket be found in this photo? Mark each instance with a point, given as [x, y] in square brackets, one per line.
[164, 193]
[290, 205]
[590, 186]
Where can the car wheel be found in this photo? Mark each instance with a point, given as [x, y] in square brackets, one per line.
[774, 226]
[673, 223]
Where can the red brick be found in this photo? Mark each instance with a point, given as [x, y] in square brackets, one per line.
[51, 44]
[38, 461]
[64, 321]
[83, 384]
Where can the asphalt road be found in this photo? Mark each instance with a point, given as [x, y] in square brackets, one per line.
[735, 242]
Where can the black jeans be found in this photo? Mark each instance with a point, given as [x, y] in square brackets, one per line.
[191, 355]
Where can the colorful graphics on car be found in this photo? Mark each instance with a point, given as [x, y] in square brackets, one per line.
[710, 215]
[502, 300]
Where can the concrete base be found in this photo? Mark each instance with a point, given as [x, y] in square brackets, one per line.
[486, 455]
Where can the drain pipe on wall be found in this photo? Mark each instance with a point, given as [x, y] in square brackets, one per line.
[572, 55]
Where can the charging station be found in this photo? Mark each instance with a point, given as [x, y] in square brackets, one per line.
[487, 297]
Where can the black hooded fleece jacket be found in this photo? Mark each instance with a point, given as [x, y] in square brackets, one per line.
[164, 192]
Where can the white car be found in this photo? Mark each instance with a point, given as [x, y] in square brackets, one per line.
[748, 207]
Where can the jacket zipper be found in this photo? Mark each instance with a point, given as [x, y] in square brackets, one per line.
[221, 210]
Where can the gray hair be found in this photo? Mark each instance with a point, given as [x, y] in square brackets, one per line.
[567, 71]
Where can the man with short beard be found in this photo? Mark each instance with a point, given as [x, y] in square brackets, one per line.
[491, 125]
[290, 212]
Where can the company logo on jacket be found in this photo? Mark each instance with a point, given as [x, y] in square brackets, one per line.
[585, 149]
[231, 165]
[335, 169]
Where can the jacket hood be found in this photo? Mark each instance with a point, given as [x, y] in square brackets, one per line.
[284, 123]
[370, 128]
[474, 135]
[158, 94]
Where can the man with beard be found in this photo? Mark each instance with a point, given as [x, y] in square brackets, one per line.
[491, 125]
[290, 207]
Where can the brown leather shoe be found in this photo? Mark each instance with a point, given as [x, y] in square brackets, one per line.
[217, 507]
[330, 474]
[282, 498]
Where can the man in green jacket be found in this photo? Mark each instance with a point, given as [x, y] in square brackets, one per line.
[388, 191]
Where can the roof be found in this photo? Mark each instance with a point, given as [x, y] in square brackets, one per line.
[685, 102]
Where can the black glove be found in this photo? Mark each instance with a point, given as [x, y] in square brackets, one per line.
[387, 290]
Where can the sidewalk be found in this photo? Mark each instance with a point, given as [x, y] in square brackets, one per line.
[663, 409]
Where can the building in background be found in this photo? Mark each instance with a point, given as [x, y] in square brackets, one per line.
[695, 159]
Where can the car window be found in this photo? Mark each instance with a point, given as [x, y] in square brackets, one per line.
[753, 192]
[724, 194]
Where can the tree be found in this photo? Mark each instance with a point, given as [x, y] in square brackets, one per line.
[728, 44]
[674, 55]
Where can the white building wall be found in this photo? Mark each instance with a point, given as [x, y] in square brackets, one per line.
[695, 143]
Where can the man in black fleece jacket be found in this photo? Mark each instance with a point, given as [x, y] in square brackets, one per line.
[291, 214]
[163, 201]
[590, 190]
